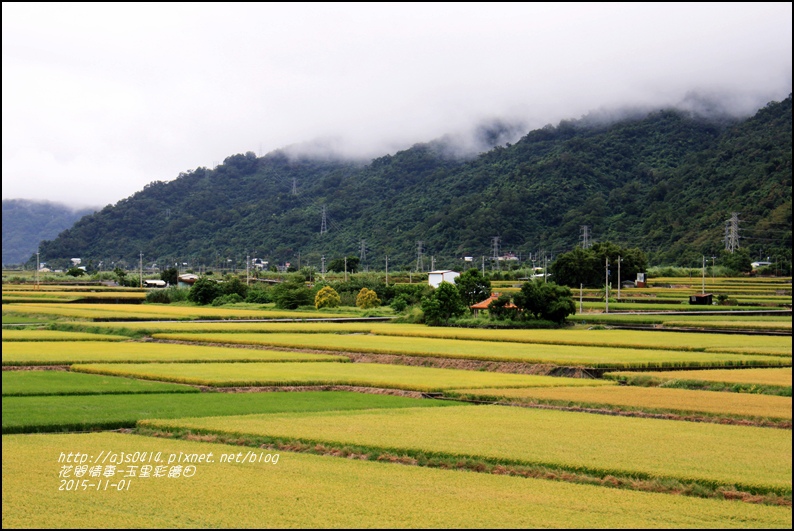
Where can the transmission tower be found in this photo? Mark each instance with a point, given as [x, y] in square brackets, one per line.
[732, 233]
[322, 266]
[294, 186]
[323, 225]
[362, 255]
[420, 264]
[495, 251]
[584, 236]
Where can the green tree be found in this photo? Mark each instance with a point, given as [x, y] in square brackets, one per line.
[291, 295]
[545, 300]
[327, 297]
[170, 275]
[75, 271]
[738, 261]
[442, 304]
[473, 286]
[204, 291]
[503, 308]
[338, 265]
[367, 298]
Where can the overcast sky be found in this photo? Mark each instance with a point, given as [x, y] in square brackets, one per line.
[101, 99]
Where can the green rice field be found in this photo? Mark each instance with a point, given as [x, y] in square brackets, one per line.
[81, 413]
[309, 491]
[29, 383]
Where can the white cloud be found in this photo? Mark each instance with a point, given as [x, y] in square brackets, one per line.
[99, 100]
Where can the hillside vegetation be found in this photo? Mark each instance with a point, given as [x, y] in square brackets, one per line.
[665, 183]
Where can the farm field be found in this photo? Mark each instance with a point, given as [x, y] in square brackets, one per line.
[355, 374]
[65, 353]
[587, 456]
[120, 312]
[29, 383]
[647, 399]
[295, 493]
[57, 335]
[590, 356]
[769, 381]
[81, 413]
[753, 459]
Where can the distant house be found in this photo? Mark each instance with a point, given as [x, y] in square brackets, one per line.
[758, 265]
[155, 283]
[435, 278]
[483, 305]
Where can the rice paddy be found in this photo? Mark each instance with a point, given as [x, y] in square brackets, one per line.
[66, 353]
[565, 355]
[754, 459]
[309, 491]
[29, 383]
[308, 373]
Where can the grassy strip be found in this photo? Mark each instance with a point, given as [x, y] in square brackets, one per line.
[635, 482]
[65, 353]
[732, 381]
[308, 491]
[41, 383]
[422, 379]
[83, 413]
[754, 460]
[758, 409]
[567, 355]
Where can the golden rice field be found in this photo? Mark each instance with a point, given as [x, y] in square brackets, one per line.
[355, 374]
[488, 351]
[74, 294]
[751, 458]
[309, 491]
[774, 376]
[65, 353]
[650, 399]
[121, 312]
[56, 335]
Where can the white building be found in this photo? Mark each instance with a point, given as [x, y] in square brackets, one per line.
[435, 278]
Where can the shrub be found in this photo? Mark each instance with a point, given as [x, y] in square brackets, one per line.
[399, 304]
[168, 295]
[227, 299]
[258, 296]
[367, 299]
[291, 295]
[327, 297]
[204, 291]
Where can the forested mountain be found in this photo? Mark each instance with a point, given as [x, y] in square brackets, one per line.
[665, 182]
[26, 223]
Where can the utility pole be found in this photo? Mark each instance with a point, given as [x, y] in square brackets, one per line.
[141, 268]
[581, 288]
[345, 268]
[606, 292]
[619, 261]
[703, 270]
[545, 268]
[322, 266]
[483, 265]
[247, 271]
[432, 263]
[37, 268]
[387, 269]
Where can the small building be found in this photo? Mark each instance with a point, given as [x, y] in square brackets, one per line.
[186, 280]
[704, 299]
[483, 305]
[435, 278]
[155, 283]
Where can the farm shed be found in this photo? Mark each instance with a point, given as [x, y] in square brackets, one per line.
[701, 299]
[155, 283]
[435, 278]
